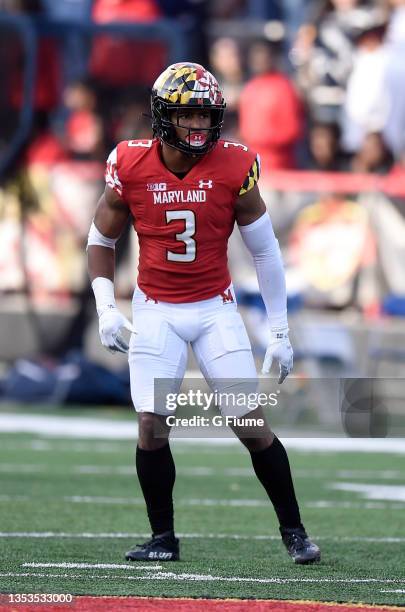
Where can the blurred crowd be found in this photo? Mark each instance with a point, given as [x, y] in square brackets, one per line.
[315, 85]
[312, 84]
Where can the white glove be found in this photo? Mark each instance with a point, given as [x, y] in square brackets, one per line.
[110, 323]
[280, 349]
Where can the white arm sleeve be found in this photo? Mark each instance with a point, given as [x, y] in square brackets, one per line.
[96, 238]
[260, 240]
[103, 289]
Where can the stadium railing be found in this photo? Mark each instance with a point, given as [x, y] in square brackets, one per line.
[30, 30]
[20, 27]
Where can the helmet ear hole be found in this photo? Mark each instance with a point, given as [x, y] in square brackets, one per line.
[186, 85]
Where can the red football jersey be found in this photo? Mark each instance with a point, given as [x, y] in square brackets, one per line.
[183, 225]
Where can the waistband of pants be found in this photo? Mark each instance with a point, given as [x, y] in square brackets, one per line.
[226, 297]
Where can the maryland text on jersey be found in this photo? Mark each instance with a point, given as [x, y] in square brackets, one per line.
[179, 196]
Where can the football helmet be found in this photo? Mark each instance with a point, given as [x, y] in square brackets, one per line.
[187, 85]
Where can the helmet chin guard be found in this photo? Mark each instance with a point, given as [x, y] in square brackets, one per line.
[187, 86]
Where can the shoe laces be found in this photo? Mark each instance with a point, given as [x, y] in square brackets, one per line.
[151, 542]
[148, 544]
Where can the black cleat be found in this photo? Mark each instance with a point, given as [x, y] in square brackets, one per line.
[300, 547]
[163, 547]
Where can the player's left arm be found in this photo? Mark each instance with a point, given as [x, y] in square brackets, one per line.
[258, 235]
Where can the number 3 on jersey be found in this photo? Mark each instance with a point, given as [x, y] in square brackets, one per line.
[188, 217]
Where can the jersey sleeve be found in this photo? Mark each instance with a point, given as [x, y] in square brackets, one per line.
[111, 173]
[252, 176]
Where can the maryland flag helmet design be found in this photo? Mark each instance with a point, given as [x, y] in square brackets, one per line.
[186, 85]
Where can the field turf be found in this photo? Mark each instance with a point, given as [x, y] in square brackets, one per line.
[66, 502]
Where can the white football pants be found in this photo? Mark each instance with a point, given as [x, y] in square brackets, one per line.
[218, 338]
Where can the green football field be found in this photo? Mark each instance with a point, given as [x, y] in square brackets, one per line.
[70, 507]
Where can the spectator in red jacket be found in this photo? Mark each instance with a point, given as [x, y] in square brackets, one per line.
[270, 113]
[118, 61]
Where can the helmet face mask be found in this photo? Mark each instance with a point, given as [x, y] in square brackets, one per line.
[186, 86]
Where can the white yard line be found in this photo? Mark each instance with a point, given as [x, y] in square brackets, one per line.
[320, 504]
[334, 445]
[49, 446]
[372, 491]
[244, 472]
[87, 499]
[209, 578]
[62, 534]
[14, 498]
[198, 471]
[379, 474]
[102, 470]
[94, 566]
[22, 468]
[349, 505]
[110, 429]
[237, 503]
[95, 446]
[69, 426]
[211, 536]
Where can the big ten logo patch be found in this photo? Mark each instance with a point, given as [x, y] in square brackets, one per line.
[156, 186]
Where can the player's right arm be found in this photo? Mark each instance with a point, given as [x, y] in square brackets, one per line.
[109, 221]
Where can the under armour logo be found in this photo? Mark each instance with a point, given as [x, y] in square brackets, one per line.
[227, 296]
[205, 184]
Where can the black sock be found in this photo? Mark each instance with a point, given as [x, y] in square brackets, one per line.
[273, 470]
[157, 473]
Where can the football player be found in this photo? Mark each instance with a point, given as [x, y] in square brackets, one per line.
[183, 191]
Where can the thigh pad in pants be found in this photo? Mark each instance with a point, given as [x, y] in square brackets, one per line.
[228, 334]
[157, 360]
[226, 361]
